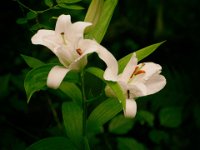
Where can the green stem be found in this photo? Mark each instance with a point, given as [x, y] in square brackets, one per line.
[84, 104]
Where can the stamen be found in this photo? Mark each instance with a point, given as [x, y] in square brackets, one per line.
[137, 70]
[79, 51]
[128, 94]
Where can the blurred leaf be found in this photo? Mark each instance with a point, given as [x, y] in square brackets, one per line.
[113, 85]
[140, 54]
[103, 113]
[52, 143]
[129, 144]
[32, 62]
[158, 136]
[120, 125]
[67, 1]
[49, 3]
[170, 117]
[73, 7]
[73, 121]
[98, 31]
[196, 112]
[72, 91]
[4, 86]
[31, 15]
[22, 21]
[93, 13]
[145, 116]
[36, 79]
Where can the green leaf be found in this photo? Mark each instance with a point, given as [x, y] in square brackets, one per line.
[98, 31]
[49, 3]
[52, 143]
[36, 79]
[170, 117]
[73, 120]
[72, 91]
[72, 7]
[113, 85]
[4, 86]
[32, 62]
[145, 116]
[120, 125]
[31, 15]
[140, 54]
[67, 1]
[103, 113]
[93, 13]
[22, 21]
[129, 144]
[158, 136]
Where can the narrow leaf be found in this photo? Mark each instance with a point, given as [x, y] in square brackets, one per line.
[103, 113]
[52, 143]
[93, 13]
[113, 85]
[32, 62]
[72, 116]
[36, 79]
[72, 91]
[99, 30]
[141, 54]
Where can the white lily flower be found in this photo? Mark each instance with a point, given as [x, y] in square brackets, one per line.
[138, 80]
[68, 44]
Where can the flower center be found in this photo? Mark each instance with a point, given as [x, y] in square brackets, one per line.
[79, 51]
[137, 70]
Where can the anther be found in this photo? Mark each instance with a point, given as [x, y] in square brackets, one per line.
[79, 51]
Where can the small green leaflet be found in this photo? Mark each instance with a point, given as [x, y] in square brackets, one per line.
[140, 54]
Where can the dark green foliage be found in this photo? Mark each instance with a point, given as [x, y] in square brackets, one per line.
[169, 120]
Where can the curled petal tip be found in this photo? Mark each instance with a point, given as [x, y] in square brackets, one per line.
[56, 76]
[131, 108]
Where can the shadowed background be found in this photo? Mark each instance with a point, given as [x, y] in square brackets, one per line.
[135, 24]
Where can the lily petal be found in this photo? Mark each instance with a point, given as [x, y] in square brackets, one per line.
[150, 69]
[137, 89]
[131, 108]
[155, 84]
[129, 69]
[63, 22]
[56, 76]
[47, 38]
[75, 31]
[89, 46]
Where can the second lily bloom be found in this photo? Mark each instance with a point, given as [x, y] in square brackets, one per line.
[138, 80]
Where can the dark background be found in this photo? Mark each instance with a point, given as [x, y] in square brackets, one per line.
[135, 24]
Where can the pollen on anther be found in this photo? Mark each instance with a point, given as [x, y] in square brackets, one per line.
[79, 51]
